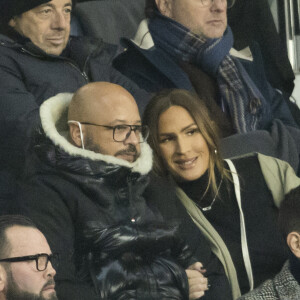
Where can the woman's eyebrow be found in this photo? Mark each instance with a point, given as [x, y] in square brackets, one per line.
[187, 127]
[182, 130]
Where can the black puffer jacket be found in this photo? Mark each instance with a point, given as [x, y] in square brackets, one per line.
[92, 211]
[29, 76]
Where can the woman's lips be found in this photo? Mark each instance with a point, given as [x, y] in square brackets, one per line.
[186, 164]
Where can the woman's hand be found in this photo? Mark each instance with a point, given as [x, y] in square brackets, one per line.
[198, 284]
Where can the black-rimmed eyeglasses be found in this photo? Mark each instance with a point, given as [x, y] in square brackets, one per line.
[122, 132]
[41, 260]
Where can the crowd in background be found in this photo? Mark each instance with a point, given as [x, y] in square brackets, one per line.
[162, 166]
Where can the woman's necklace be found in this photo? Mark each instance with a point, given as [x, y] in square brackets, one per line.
[207, 208]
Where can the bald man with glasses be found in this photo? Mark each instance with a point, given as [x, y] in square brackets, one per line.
[89, 189]
[26, 261]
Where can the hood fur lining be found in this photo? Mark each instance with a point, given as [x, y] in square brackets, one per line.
[53, 113]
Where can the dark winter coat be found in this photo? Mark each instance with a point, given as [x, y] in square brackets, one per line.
[29, 76]
[153, 69]
[92, 211]
[283, 286]
[261, 184]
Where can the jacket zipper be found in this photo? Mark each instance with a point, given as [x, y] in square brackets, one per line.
[83, 73]
[130, 198]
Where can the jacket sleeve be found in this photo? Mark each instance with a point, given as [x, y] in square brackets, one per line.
[43, 202]
[119, 254]
[18, 111]
[278, 103]
[147, 240]
[279, 107]
[279, 176]
[17, 104]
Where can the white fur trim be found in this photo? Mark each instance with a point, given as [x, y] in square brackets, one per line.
[53, 113]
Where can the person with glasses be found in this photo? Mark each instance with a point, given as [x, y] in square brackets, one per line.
[188, 44]
[39, 59]
[87, 187]
[26, 261]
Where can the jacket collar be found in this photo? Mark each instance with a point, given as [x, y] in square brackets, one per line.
[78, 48]
[53, 113]
[286, 285]
[143, 39]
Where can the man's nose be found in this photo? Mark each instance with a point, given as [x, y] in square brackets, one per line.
[219, 5]
[50, 271]
[133, 138]
[59, 21]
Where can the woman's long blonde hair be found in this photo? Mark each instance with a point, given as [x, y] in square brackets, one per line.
[189, 101]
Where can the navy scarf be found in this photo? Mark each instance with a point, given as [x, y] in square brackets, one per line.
[244, 101]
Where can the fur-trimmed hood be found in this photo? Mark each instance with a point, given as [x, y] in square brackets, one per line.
[53, 114]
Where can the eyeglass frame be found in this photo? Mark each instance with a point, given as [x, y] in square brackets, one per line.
[113, 128]
[35, 257]
[211, 2]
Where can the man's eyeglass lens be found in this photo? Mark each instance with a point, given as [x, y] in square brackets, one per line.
[122, 132]
[43, 259]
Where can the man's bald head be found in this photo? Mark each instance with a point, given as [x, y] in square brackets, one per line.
[108, 104]
[92, 99]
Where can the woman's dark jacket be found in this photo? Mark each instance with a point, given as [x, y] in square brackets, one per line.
[92, 211]
[264, 181]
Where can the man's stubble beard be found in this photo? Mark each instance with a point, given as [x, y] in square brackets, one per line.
[13, 292]
[89, 145]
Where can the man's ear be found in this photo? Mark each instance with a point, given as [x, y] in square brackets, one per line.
[75, 134]
[164, 7]
[293, 241]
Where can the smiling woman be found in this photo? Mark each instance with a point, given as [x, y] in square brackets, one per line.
[185, 148]
[224, 199]
[176, 141]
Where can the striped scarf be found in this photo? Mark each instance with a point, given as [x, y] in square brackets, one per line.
[240, 96]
